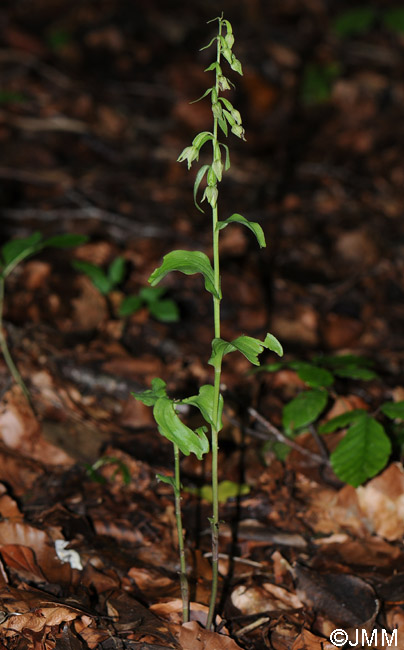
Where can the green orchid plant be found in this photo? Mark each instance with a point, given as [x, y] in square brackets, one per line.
[209, 400]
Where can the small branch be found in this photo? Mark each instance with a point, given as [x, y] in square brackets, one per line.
[280, 437]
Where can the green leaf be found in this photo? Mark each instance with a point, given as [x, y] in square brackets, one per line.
[201, 173]
[354, 372]
[96, 275]
[247, 345]
[200, 139]
[362, 453]
[130, 305]
[172, 428]
[314, 376]
[223, 125]
[152, 294]
[204, 402]
[214, 66]
[303, 409]
[357, 20]
[116, 271]
[65, 241]
[343, 361]
[318, 81]
[188, 262]
[393, 410]
[226, 490]
[226, 148]
[341, 421]
[170, 480]
[150, 396]
[272, 343]
[394, 19]
[165, 311]
[207, 92]
[109, 460]
[16, 250]
[252, 225]
[205, 47]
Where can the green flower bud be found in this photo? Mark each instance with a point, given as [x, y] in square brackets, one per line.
[189, 154]
[238, 130]
[229, 38]
[217, 167]
[217, 110]
[236, 65]
[223, 82]
[211, 177]
[211, 194]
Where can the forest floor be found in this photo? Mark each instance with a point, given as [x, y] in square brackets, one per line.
[94, 111]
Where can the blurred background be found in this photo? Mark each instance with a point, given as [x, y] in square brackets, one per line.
[94, 111]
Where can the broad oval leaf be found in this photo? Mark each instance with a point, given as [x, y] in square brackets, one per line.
[303, 409]
[16, 250]
[314, 376]
[96, 275]
[150, 396]
[393, 410]
[363, 452]
[130, 305]
[341, 421]
[65, 241]
[252, 225]
[116, 270]
[171, 427]
[165, 311]
[204, 402]
[355, 372]
[188, 262]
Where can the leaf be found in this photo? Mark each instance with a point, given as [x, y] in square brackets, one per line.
[65, 241]
[204, 402]
[150, 396]
[207, 92]
[200, 139]
[394, 19]
[170, 480]
[341, 421]
[205, 47]
[96, 275]
[362, 453]
[226, 148]
[201, 173]
[314, 376]
[214, 66]
[303, 409]
[116, 271]
[247, 345]
[354, 372]
[317, 82]
[16, 250]
[272, 343]
[252, 225]
[354, 21]
[342, 361]
[226, 490]
[172, 428]
[393, 410]
[130, 305]
[165, 311]
[188, 262]
[152, 294]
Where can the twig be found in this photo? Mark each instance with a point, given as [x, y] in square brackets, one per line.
[284, 439]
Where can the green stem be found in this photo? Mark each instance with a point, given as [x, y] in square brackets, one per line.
[214, 522]
[183, 571]
[6, 352]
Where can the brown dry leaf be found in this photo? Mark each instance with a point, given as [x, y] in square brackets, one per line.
[341, 600]
[90, 308]
[37, 610]
[194, 637]
[147, 366]
[308, 641]
[20, 430]
[22, 560]
[382, 502]
[341, 331]
[357, 246]
[257, 599]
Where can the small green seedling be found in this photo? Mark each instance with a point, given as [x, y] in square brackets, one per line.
[366, 447]
[165, 310]
[209, 400]
[93, 473]
[225, 490]
[13, 253]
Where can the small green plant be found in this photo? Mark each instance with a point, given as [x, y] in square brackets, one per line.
[209, 400]
[165, 310]
[366, 447]
[93, 473]
[12, 254]
[318, 80]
